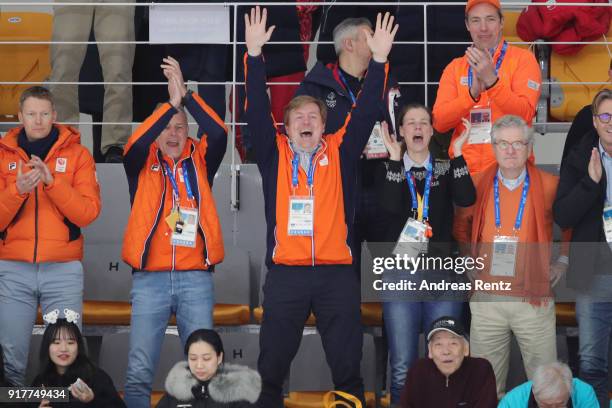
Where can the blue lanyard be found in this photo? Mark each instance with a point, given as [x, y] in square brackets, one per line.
[295, 162]
[175, 185]
[345, 83]
[521, 209]
[502, 54]
[412, 186]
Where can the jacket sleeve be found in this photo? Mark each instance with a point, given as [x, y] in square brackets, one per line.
[164, 402]
[487, 398]
[406, 398]
[462, 228]
[106, 394]
[80, 201]
[215, 132]
[137, 148]
[462, 188]
[257, 109]
[576, 194]
[393, 188]
[10, 202]
[521, 96]
[366, 111]
[452, 103]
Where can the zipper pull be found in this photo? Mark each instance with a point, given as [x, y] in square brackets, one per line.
[446, 382]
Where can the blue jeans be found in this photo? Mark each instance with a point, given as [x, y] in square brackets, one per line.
[594, 315]
[404, 321]
[56, 285]
[155, 297]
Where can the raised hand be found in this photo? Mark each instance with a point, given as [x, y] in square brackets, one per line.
[460, 141]
[176, 83]
[482, 65]
[595, 171]
[26, 182]
[381, 42]
[45, 174]
[255, 33]
[393, 146]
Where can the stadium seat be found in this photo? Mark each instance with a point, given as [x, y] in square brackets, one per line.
[22, 62]
[314, 399]
[509, 31]
[108, 313]
[589, 65]
[566, 314]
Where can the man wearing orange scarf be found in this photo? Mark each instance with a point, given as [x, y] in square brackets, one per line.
[510, 228]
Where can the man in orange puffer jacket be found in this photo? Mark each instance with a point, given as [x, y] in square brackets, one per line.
[173, 237]
[48, 192]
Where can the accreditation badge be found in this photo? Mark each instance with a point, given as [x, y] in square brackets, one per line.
[413, 239]
[607, 223]
[480, 118]
[375, 149]
[185, 229]
[301, 216]
[504, 256]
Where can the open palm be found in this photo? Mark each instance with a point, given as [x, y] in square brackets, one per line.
[256, 34]
[381, 41]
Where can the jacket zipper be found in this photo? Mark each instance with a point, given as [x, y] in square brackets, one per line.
[35, 224]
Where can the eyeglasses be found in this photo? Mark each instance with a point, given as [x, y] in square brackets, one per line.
[604, 117]
[503, 145]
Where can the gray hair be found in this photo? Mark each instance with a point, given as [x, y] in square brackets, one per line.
[511, 121]
[551, 381]
[348, 28]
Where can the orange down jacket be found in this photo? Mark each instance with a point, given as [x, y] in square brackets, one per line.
[44, 225]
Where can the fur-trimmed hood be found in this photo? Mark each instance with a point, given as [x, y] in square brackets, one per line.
[231, 383]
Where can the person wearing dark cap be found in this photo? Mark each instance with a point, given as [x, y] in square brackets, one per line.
[449, 377]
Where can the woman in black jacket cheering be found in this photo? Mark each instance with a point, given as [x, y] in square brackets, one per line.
[204, 381]
[419, 190]
[65, 364]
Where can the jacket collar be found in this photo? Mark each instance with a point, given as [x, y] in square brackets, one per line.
[231, 383]
[67, 136]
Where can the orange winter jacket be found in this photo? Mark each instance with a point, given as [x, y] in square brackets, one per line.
[516, 92]
[44, 225]
[146, 244]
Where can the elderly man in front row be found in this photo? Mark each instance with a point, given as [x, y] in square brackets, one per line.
[449, 378]
[510, 228]
[552, 386]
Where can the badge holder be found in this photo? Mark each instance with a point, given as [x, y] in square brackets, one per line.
[186, 228]
[301, 216]
[375, 149]
[607, 223]
[480, 118]
[504, 256]
[414, 238]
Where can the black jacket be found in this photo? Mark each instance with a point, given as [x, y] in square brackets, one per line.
[579, 205]
[451, 184]
[323, 83]
[581, 125]
[105, 394]
[233, 386]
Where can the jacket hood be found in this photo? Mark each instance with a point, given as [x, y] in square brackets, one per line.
[67, 135]
[231, 383]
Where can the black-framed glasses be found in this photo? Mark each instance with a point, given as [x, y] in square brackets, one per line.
[604, 117]
[518, 145]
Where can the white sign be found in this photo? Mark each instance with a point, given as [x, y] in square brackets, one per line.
[191, 24]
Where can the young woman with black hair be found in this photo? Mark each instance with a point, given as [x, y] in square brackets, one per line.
[64, 363]
[205, 381]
